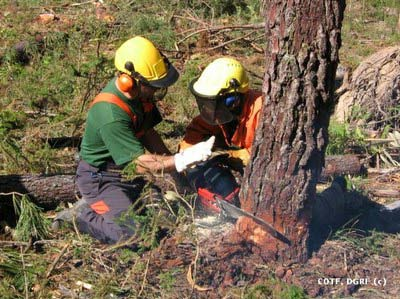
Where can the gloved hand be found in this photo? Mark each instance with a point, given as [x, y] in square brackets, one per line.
[196, 153]
[242, 154]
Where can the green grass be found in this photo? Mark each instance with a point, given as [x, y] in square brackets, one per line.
[167, 279]
[375, 243]
[368, 26]
[19, 272]
[274, 289]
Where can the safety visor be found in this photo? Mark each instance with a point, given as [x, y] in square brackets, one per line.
[214, 111]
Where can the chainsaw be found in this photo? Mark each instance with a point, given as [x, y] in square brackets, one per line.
[235, 212]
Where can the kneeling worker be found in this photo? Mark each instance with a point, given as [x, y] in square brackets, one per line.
[119, 127]
[229, 110]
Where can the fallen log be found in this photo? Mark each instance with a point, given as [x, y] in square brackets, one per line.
[48, 191]
[387, 193]
[336, 165]
[383, 183]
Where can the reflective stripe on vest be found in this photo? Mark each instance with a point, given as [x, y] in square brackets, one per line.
[113, 99]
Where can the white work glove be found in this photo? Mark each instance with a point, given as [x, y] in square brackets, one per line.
[196, 153]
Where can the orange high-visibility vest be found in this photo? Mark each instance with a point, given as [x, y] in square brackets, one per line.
[113, 99]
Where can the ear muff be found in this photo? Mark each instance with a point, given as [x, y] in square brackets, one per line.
[232, 99]
[125, 82]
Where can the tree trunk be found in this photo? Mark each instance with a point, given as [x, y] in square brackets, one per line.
[45, 191]
[288, 151]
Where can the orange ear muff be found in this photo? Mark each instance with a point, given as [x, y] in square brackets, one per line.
[125, 82]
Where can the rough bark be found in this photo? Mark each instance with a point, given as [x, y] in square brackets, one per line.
[46, 191]
[288, 151]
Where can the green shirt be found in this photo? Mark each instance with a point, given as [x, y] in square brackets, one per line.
[110, 133]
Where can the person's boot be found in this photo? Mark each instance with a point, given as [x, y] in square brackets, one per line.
[68, 215]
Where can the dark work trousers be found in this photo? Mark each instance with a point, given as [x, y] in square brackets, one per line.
[108, 199]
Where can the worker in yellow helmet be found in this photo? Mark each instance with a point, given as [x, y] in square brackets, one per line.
[119, 129]
[229, 110]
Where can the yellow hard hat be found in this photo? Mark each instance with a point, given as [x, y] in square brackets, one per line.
[139, 55]
[223, 75]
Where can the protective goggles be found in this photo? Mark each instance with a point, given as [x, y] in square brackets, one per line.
[158, 92]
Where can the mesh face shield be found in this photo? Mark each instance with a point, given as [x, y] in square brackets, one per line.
[214, 111]
[221, 108]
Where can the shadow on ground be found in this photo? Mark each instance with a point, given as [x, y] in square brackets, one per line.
[337, 208]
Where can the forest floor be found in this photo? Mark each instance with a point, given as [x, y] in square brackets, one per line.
[197, 259]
